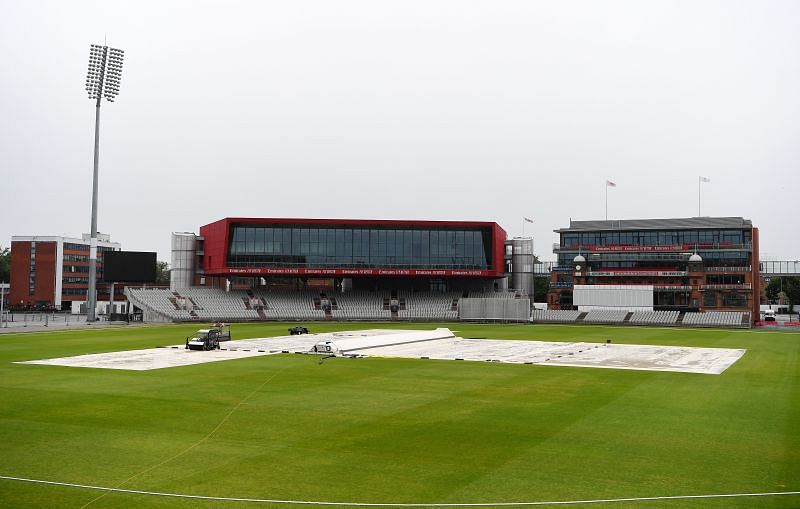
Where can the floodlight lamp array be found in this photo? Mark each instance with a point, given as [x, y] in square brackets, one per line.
[105, 72]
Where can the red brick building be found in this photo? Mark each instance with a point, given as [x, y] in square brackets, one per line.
[693, 264]
[51, 272]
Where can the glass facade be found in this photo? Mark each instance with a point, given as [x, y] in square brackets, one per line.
[305, 246]
[717, 247]
[714, 258]
[718, 238]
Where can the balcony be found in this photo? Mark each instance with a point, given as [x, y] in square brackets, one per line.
[728, 269]
[672, 288]
[560, 285]
[701, 246]
[744, 286]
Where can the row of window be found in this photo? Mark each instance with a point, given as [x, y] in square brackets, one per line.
[32, 270]
[727, 279]
[76, 258]
[656, 238]
[632, 260]
[359, 247]
[711, 299]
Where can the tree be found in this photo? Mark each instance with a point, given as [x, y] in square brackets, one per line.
[162, 272]
[5, 264]
[773, 289]
[791, 288]
[541, 285]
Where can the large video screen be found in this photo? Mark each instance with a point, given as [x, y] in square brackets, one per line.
[129, 267]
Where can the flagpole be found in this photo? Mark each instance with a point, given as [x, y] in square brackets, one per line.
[699, 181]
[606, 200]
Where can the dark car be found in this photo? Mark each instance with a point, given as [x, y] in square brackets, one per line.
[297, 330]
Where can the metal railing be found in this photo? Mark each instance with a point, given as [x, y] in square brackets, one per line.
[787, 267]
[744, 286]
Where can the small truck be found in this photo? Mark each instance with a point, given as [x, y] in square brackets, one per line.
[208, 339]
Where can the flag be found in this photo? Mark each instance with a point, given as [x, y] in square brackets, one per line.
[610, 184]
[704, 179]
[527, 219]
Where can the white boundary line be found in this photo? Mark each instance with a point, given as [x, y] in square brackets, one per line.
[397, 504]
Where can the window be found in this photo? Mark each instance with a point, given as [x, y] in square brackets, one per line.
[254, 245]
[710, 299]
[734, 300]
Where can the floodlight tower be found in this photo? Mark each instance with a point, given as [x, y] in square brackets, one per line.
[102, 80]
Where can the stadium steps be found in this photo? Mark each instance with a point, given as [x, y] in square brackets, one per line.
[679, 321]
[174, 302]
[627, 318]
[261, 314]
[581, 316]
[246, 303]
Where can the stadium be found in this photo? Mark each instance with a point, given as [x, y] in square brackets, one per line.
[422, 374]
[693, 271]
[323, 288]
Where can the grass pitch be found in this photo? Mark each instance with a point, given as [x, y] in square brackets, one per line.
[399, 430]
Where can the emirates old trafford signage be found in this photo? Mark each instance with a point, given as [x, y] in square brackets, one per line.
[262, 271]
[667, 273]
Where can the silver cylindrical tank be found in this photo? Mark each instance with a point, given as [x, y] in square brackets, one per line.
[184, 248]
[522, 265]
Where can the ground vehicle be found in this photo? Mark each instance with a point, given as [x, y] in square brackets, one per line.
[208, 339]
[769, 315]
[294, 331]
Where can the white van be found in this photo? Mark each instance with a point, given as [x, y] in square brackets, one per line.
[769, 315]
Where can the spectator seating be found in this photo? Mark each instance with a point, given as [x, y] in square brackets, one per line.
[555, 316]
[654, 317]
[606, 316]
[717, 319]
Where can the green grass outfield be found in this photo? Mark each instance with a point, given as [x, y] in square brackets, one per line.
[399, 430]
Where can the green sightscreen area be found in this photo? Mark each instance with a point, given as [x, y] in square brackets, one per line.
[398, 430]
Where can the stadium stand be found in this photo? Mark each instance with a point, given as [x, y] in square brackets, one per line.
[430, 306]
[211, 304]
[654, 318]
[158, 303]
[217, 304]
[555, 316]
[208, 304]
[292, 305]
[361, 305]
[717, 319]
[606, 316]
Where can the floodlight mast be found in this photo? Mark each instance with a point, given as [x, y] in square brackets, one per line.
[102, 80]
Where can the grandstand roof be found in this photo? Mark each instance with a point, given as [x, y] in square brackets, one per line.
[686, 223]
[389, 223]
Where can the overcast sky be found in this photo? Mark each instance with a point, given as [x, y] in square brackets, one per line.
[402, 110]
